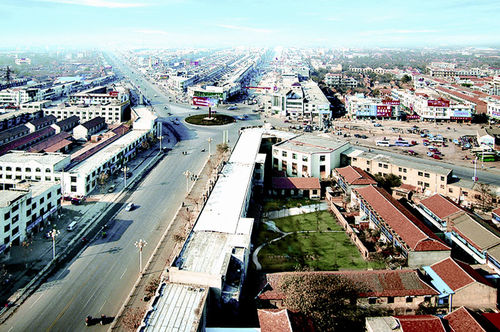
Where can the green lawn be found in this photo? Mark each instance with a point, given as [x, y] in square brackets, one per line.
[278, 204]
[317, 250]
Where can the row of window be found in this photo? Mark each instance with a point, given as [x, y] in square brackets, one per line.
[27, 169]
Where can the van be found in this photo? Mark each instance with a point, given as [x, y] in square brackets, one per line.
[71, 226]
[383, 143]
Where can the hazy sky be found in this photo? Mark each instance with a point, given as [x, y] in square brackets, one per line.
[206, 23]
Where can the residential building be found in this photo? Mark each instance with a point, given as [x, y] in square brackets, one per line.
[359, 106]
[28, 140]
[66, 125]
[339, 80]
[459, 284]
[405, 323]
[493, 109]
[290, 187]
[14, 133]
[495, 215]
[112, 112]
[101, 96]
[25, 207]
[398, 226]
[88, 128]
[40, 123]
[398, 291]
[308, 156]
[17, 166]
[349, 177]
[438, 210]
[12, 119]
[426, 178]
[58, 143]
[463, 319]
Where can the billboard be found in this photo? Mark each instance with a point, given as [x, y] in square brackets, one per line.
[204, 101]
[384, 110]
[390, 102]
[438, 103]
[113, 93]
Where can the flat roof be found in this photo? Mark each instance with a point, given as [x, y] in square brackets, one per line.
[179, 308]
[9, 196]
[106, 153]
[311, 144]
[46, 159]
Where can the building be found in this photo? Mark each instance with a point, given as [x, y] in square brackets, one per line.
[112, 112]
[405, 323]
[352, 177]
[66, 125]
[24, 208]
[17, 166]
[101, 96]
[359, 107]
[398, 226]
[28, 140]
[88, 128]
[463, 319]
[290, 187]
[426, 178]
[459, 284]
[493, 109]
[439, 210]
[308, 156]
[58, 143]
[398, 291]
[40, 123]
[14, 133]
[15, 118]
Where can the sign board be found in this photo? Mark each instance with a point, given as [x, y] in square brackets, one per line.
[391, 102]
[461, 114]
[113, 93]
[384, 110]
[202, 101]
[438, 103]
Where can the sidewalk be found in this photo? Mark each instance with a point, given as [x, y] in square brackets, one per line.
[172, 241]
[24, 264]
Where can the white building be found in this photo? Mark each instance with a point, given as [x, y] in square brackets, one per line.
[360, 106]
[308, 156]
[112, 112]
[101, 96]
[493, 108]
[24, 209]
[17, 166]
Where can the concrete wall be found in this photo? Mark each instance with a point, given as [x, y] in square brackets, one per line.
[422, 258]
[475, 296]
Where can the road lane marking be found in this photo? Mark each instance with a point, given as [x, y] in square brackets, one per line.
[31, 306]
[102, 306]
[72, 299]
[123, 273]
[11, 328]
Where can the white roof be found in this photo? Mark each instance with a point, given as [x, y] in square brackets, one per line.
[44, 159]
[178, 309]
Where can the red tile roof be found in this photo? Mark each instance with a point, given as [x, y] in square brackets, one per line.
[296, 183]
[355, 176]
[457, 274]
[496, 211]
[50, 142]
[25, 141]
[419, 323]
[481, 106]
[274, 320]
[441, 206]
[493, 318]
[412, 231]
[462, 320]
[396, 283]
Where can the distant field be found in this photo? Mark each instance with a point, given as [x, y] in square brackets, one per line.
[324, 250]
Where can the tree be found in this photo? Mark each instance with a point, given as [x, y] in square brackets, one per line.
[388, 181]
[329, 300]
[221, 148]
[133, 317]
[405, 79]
[152, 286]
[486, 196]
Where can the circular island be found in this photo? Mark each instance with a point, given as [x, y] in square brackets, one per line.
[205, 120]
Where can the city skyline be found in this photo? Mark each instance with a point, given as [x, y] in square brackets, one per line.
[195, 23]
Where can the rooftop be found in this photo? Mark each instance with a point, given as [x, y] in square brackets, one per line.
[50, 142]
[295, 183]
[355, 176]
[411, 230]
[462, 319]
[476, 233]
[93, 122]
[441, 206]
[457, 274]
[43, 159]
[274, 320]
[419, 323]
[7, 197]
[311, 144]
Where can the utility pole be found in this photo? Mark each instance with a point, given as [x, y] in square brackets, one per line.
[209, 146]
[53, 233]
[187, 174]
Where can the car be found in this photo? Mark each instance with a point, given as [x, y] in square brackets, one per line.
[129, 207]
[436, 156]
[363, 137]
[231, 108]
[195, 107]
[377, 125]
[412, 153]
[111, 189]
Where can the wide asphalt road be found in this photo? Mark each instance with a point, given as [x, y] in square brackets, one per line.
[100, 278]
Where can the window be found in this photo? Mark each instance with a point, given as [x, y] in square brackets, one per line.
[49, 195]
[47, 170]
[322, 168]
[400, 169]
[379, 164]
[73, 178]
[372, 300]
[404, 170]
[386, 166]
[420, 173]
[442, 178]
[427, 298]
[322, 158]
[409, 299]
[304, 158]
[420, 183]
[465, 193]
[6, 228]
[354, 159]
[15, 208]
[42, 200]
[28, 201]
[38, 170]
[404, 177]
[28, 169]
[294, 156]
[450, 190]
[8, 168]
[390, 299]
[15, 230]
[283, 153]
[18, 169]
[426, 175]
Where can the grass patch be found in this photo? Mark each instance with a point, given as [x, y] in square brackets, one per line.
[217, 119]
[277, 204]
[318, 250]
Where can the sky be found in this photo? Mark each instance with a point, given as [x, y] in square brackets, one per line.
[268, 23]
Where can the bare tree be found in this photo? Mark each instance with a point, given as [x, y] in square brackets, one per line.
[133, 317]
[152, 286]
[485, 196]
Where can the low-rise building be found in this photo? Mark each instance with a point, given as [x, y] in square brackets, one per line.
[66, 125]
[398, 291]
[15, 118]
[404, 323]
[40, 123]
[308, 156]
[438, 210]
[112, 112]
[14, 133]
[28, 140]
[359, 107]
[459, 284]
[24, 208]
[101, 95]
[399, 226]
[88, 128]
[290, 187]
[350, 177]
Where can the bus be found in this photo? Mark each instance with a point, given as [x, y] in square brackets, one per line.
[486, 156]
[401, 143]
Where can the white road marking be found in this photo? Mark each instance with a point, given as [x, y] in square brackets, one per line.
[31, 306]
[90, 298]
[102, 306]
[11, 328]
[123, 273]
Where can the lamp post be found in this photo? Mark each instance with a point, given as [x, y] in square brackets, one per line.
[53, 233]
[125, 169]
[187, 174]
[140, 244]
[160, 137]
[209, 145]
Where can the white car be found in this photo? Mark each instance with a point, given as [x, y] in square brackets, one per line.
[129, 207]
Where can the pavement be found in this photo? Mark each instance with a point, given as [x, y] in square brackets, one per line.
[23, 263]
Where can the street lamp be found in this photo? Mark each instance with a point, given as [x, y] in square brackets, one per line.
[53, 233]
[140, 244]
[187, 174]
[209, 145]
[125, 169]
[160, 137]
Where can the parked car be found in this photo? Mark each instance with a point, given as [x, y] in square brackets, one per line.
[377, 125]
[111, 189]
[129, 207]
[231, 108]
[412, 153]
[436, 156]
